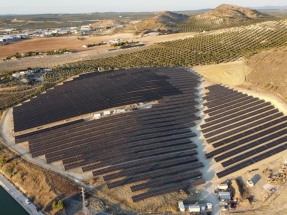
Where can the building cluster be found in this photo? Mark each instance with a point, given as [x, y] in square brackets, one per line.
[226, 197]
[86, 29]
[31, 75]
[12, 37]
[195, 208]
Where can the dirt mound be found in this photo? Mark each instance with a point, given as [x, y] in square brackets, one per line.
[227, 13]
[165, 20]
[231, 74]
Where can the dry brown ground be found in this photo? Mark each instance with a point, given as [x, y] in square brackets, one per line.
[42, 187]
[269, 71]
[48, 44]
[231, 74]
[256, 70]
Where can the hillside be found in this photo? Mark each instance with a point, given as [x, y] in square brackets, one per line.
[104, 23]
[226, 13]
[269, 71]
[164, 21]
[223, 16]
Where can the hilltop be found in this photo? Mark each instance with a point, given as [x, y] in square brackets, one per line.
[163, 21]
[227, 13]
[223, 16]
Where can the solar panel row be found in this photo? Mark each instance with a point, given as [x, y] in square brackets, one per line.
[93, 94]
[162, 181]
[243, 127]
[140, 145]
[169, 189]
[155, 174]
[252, 160]
[244, 137]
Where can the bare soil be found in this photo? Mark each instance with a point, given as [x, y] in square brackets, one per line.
[54, 43]
[72, 42]
[231, 74]
[42, 187]
[268, 71]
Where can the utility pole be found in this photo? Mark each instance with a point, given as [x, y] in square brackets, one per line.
[83, 195]
[85, 210]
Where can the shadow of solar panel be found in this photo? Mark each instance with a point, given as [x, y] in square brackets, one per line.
[134, 163]
[254, 151]
[149, 167]
[168, 189]
[159, 182]
[155, 174]
[251, 144]
[25, 137]
[252, 160]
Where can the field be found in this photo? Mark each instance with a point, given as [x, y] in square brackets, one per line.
[55, 43]
[215, 47]
[222, 46]
[43, 21]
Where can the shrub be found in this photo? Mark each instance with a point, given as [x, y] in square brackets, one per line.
[58, 205]
[2, 161]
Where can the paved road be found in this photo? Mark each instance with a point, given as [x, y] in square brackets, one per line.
[18, 196]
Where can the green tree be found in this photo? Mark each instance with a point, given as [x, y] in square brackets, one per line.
[58, 205]
[2, 161]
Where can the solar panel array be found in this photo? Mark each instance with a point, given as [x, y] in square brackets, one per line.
[149, 148]
[242, 129]
[90, 93]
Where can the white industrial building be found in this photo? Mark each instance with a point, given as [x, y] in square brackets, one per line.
[196, 208]
[85, 28]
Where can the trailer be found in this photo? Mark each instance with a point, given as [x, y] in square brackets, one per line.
[222, 186]
[181, 206]
[194, 208]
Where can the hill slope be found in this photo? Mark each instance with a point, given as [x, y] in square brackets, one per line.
[226, 13]
[165, 21]
[223, 16]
